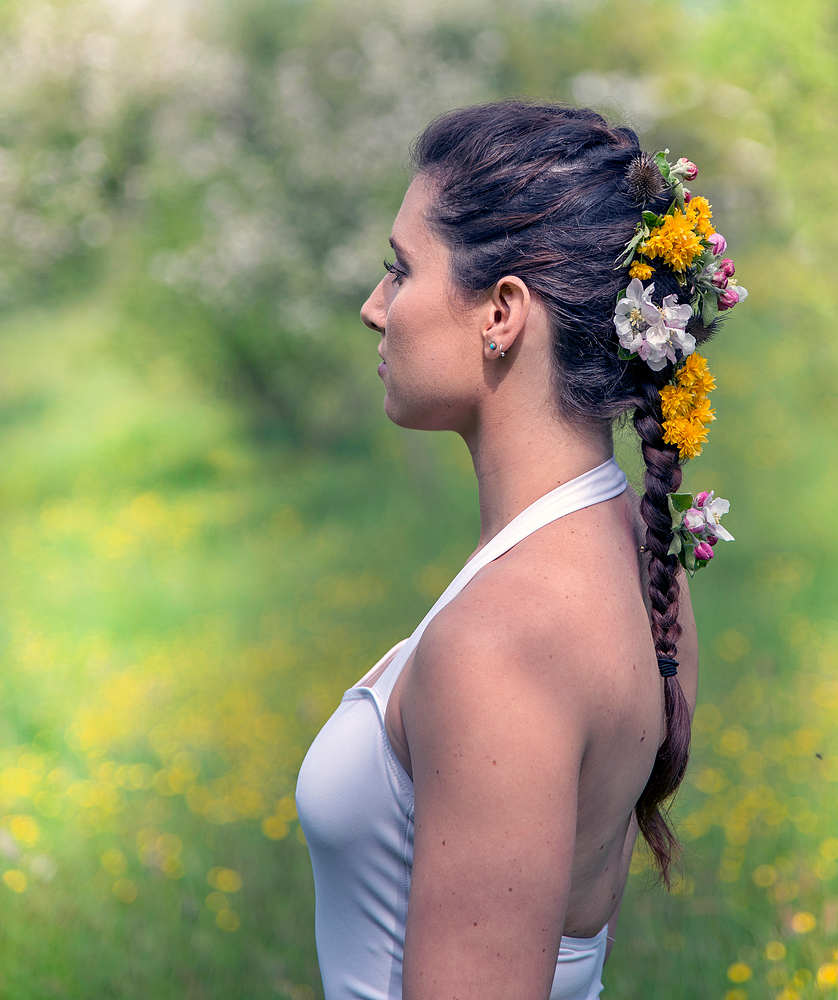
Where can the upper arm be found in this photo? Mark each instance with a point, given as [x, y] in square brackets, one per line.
[495, 765]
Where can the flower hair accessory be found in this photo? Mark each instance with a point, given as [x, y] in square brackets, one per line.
[684, 242]
[696, 527]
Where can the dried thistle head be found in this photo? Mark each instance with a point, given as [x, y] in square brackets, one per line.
[644, 179]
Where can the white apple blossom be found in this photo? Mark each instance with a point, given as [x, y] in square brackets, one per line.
[653, 332]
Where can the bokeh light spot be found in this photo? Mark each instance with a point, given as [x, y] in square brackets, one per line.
[803, 922]
[228, 920]
[113, 861]
[16, 880]
[125, 890]
[775, 951]
[739, 972]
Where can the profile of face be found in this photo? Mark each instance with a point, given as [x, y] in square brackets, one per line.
[432, 343]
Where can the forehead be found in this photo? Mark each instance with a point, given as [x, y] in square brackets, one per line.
[410, 231]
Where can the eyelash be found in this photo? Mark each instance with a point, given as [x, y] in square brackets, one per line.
[392, 268]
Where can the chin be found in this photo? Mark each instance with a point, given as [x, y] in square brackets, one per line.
[421, 418]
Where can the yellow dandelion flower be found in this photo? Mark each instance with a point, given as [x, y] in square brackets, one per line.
[700, 214]
[686, 435]
[676, 401]
[702, 412]
[674, 241]
[695, 373]
[640, 269]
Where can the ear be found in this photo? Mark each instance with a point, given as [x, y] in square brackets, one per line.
[506, 312]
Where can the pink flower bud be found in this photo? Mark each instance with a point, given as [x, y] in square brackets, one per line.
[704, 551]
[690, 170]
[718, 243]
[701, 499]
[727, 268]
[719, 279]
[694, 521]
[688, 197]
[729, 298]
[712, 539]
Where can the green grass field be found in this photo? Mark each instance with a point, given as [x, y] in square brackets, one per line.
[181, 610]
[208, 529]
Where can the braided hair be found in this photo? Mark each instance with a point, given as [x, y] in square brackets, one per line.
[552, 194]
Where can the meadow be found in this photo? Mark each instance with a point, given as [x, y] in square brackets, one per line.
[209, 530]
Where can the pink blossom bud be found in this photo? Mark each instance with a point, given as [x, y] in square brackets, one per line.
[701, 499]
[729, 298]
[718, 243]
[727, 268]
[688, 197]
[694, 521]
[719, 279]
[712, 539]
[704, 551]
[690, 170]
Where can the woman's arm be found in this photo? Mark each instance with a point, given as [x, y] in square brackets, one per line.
[495, 747]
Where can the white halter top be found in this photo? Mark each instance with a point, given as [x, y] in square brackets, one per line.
[355, 802]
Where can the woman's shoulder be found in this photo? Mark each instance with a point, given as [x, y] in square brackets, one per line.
[551, 617]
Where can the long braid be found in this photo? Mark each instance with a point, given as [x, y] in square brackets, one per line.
[663, 476]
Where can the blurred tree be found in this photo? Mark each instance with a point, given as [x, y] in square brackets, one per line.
[230, 170]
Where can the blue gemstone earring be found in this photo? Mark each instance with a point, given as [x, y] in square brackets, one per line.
[493, 346]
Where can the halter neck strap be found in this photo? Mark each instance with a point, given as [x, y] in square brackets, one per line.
[604, 482]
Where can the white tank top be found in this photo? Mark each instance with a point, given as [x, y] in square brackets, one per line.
[355, 802]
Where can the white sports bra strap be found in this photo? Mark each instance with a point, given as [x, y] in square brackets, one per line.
[602, 483]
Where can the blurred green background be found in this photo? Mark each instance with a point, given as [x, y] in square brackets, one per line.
[209, 530]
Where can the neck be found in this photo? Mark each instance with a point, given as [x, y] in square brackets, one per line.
[519, 456]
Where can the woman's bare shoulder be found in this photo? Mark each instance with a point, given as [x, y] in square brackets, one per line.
[544, 622]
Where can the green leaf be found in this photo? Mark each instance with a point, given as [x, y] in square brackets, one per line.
[675, 546]
[663, 165]
[625, 355]
[709, 308]
[652, 220]
[627, 255]
[679, 502]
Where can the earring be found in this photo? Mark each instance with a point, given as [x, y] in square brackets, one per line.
[502, 351]
[493, 346]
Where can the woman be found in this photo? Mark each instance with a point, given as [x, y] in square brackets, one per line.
[472, 806]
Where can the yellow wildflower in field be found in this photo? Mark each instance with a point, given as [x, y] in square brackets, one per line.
[675, 241]
[803, 922]
[16, 880]
[739, 972]
[828, 974]
[775, 951]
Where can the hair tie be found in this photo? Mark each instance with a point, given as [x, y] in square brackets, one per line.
[667, 666]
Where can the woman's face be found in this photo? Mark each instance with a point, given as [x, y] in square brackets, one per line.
[431, 343]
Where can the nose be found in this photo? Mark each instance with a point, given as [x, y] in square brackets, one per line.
[373, 311]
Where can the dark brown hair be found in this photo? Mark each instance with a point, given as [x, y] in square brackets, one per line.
[546, 192]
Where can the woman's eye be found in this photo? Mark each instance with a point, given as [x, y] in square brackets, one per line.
[393, 268]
